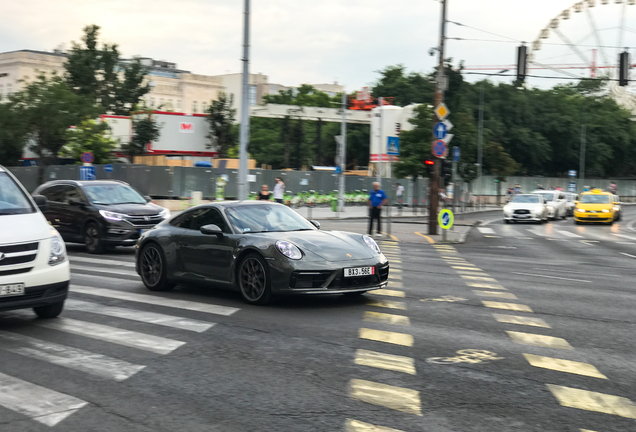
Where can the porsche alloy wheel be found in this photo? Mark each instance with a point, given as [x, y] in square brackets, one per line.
[253, 280]
[153, 269]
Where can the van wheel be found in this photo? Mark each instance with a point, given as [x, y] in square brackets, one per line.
[49, 311]
[93, 239]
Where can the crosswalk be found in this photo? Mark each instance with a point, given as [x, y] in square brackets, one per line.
[559, 232]
[106, 319]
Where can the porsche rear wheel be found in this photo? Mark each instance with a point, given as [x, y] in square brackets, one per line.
[152, 266]
[253, 280]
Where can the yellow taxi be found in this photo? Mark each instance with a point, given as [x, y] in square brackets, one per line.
[595, 206]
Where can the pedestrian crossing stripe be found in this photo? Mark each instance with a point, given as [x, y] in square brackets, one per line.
[478, 278]
[387, 304]
[388, 292]
[592, 401]
[358, 426]
[397, 398]
[561, 365]
[385, 361]
[509, 306]
[539, 340]
[485, 285]
[521, 320]
[386, 336]
[498, 294]
[386, 318]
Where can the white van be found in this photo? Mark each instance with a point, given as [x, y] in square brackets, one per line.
[34, 268]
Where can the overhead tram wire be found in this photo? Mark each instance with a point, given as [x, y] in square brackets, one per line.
[539, 76]
[544, 43]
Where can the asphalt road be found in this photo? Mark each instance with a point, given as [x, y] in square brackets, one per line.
[523, 328]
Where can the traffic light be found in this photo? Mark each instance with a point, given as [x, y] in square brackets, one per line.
[429, 164]
[522, 63]
[623, 69]
[398, 128]
[447, 170]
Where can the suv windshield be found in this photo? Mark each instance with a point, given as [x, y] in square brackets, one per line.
[549, 196]
[113, 194]
[525, 199]
[13, 201]
[267, 218]
[595, 199]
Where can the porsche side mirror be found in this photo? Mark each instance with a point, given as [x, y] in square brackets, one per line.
[41, 202]
[211, 230]
[315, 223]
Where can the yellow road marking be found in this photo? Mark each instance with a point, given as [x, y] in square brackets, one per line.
[392, 236]
[395, 284]
[395, 277]
[386, 318]
[446, 298]
[385, 361]
[358, 426]
[388, 337]
[430, 240]
[390, 293]
[485, 285]
[592, 401]
[586, 430]
[489, 236]
[513, 319]
[538, 340]
[499, 294]
[465, 267]
[387, 304]
[396, 270]
[397, 398]
[475, 272]
[509, 306]
[479, 278]
[561, 365]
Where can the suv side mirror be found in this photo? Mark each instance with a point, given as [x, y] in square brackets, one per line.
[211, 229]
[315, 223]
[147, 198]
[41, 202]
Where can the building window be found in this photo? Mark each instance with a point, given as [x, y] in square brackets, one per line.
[170, 104]
[204, 107]
[252, 95]
[194, 107]
[179, 104]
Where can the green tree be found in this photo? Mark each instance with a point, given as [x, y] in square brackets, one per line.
[145, 130]
[221, 117]
[305, 95]
[99, 74]
[13, 135]
[415, 146]
[90, 136]
[405, 88]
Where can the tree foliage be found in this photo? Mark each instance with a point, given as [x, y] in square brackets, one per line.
[221, 117]
[145, 130]
[13, 135]
[99, 74]
[90, 136]
[305, 95]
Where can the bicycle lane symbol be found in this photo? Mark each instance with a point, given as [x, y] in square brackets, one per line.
[472, 356]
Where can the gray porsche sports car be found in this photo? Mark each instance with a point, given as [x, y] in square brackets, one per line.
[260, 249]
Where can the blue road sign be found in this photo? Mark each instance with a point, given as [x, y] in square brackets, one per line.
[572, 173]
[87, 173]
[456, 154]
[440, 149]
[445, 219]
[572, 187]
[87, 157]
[338, 170]
[440, 130]
[393, 146]
[108, 168]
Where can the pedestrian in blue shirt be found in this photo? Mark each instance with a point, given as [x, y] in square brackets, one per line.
[377, 199]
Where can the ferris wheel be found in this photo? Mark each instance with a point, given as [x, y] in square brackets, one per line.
[585, 40]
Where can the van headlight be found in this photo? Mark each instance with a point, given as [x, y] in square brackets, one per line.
[58, 250]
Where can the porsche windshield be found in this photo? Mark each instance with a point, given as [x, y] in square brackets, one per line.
[12, 199]
[266, 218]
[529, 199]
[595, 199]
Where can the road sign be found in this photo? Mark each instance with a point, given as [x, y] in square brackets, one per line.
[446, 219]
[393, 146]
[448, 124]
[439, 130]
[87, 157]
[87, 173]
[440, 149]
[572, 187]
[108, 168]
[572, 173]
[456, 154]
[304, 182]
[338, 170]
[448, 139]
[442, 111]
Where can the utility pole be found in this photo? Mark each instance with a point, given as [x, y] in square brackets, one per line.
[582, 157]
[245, 107]
[480, 131]
[343, 152]
[380, 143]
[439, 98]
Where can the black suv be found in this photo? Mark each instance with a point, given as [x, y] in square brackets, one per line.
[103, 213]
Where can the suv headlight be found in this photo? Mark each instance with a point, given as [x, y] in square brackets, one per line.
[58, 250]
[372, 244]
[112, 215]
[289, 249]
[165, 213]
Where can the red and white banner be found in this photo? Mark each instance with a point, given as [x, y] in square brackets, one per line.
[185, 127]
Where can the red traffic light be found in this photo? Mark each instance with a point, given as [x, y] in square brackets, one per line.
[429, 162]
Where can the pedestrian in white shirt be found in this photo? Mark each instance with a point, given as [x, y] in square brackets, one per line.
[279, 189]
[399, 191]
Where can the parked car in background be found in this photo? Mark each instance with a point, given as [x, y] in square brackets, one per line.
[100, 214]
[570, 202]
[526, 208]
[556, 203]
[617, 208]
[34, 269]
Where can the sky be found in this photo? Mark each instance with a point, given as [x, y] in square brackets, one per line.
[316, 41]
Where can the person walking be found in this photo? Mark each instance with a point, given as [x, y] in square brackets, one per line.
[279, 190]
[264, 194]
[377, 199]
[399, 191]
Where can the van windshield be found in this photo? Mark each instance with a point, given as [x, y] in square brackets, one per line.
[13, 201]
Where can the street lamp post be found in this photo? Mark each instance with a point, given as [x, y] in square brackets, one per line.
[245, 106]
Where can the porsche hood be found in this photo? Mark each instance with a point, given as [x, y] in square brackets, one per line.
[329, 245]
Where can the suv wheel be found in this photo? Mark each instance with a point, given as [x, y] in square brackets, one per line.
[93, 239]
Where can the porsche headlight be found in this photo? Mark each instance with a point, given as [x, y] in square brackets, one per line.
[288, 249]
[371, 243]
[112, 215]
[58, 250]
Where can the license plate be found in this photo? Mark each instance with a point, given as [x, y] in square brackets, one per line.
[11, 290]
[522, 216]
[359, 271]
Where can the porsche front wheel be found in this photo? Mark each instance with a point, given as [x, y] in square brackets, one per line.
[253, 280]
